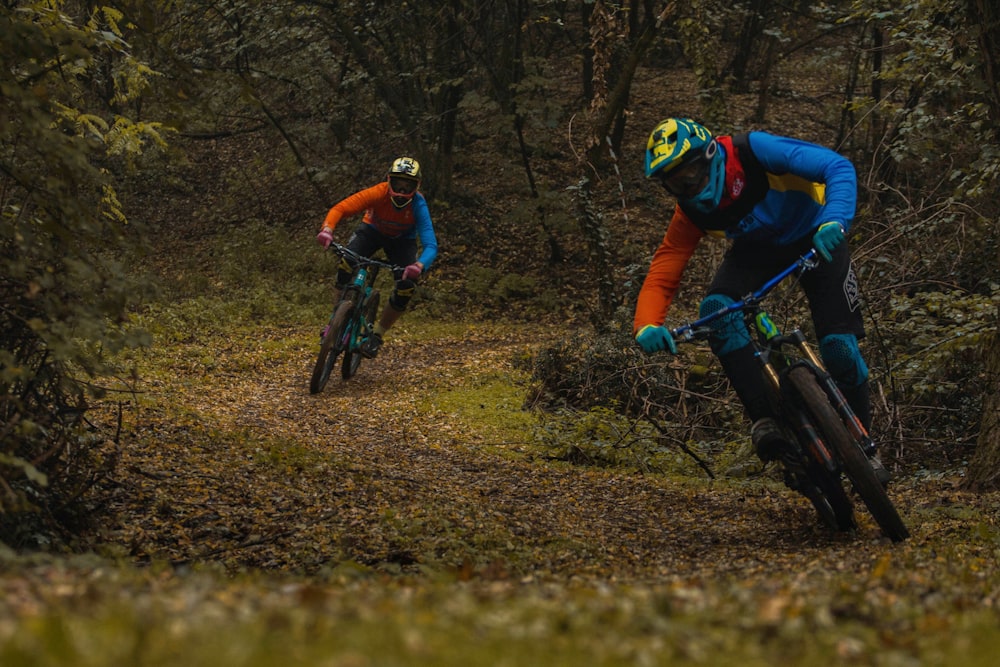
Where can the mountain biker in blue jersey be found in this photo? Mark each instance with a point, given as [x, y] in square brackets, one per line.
[395, 218]
[773, 198]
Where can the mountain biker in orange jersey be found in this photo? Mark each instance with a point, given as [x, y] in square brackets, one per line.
[774, 198]
[395, 217]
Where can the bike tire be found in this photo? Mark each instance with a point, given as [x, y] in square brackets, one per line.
[833, 504]
[330, 347]
[353, 356]
[351, 363]
[852, 458]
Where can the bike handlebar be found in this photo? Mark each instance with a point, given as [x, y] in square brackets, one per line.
[699, 328]
[344, 251]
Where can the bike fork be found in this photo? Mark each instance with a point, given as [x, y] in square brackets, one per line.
[829, 385]
[814, 441]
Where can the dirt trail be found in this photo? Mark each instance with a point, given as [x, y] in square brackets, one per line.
[265, 475]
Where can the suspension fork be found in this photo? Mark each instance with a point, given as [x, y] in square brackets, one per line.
[355, 290]
[796, 416]
[843, 408]
[813, 439]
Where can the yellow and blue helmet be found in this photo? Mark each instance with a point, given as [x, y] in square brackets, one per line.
[405, 167]
[676, 141]
[686, 158]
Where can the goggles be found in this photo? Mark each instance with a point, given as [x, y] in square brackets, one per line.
[402, 186]
[689, 178]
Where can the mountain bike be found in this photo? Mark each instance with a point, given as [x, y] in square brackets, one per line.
[352, 320]
[827, 441]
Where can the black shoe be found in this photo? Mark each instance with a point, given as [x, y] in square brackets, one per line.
[769, 441]
[883, 475]
[371, 345]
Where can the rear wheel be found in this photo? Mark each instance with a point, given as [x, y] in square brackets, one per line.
[330, 347]
[852, 458]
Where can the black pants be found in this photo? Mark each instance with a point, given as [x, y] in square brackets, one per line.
[831, 289]
[366, 241]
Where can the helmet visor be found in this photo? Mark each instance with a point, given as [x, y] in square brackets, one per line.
[688, 179]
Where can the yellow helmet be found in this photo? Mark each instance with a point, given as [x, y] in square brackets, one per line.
[675, 141]
[406, 167]
[688, 161]
[403, 178]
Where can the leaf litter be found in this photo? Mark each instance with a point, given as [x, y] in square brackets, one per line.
[369, 484]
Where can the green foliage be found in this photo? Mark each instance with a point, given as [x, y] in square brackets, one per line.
[64, 295]
[899, 609]
[933, 110]
[488, 409]
[490, 289]
[937, 338]
[657, 411]
[599, 436]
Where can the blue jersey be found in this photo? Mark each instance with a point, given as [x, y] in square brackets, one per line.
[779, 190]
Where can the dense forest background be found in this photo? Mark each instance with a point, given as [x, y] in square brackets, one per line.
[138, 136]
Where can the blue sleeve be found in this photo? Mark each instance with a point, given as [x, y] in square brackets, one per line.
[815, 163]
[425, 231]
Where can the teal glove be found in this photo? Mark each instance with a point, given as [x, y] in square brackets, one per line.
[827, 237]
[652, 338]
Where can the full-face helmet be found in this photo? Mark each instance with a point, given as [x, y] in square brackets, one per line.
[685, 157]
[403, 178]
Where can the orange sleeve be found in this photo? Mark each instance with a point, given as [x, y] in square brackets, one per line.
[357, 203]
[665, 270]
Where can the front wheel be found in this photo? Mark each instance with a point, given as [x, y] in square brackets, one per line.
[331, 346]
[848, 451]
[352, 355]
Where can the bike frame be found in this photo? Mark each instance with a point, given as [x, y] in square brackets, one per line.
[359, 291]
[351, 320]
[811, 404]
[366, 271]
[772, 343]
[687, 332]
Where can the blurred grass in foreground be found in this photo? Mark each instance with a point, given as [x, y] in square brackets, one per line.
[86, 612]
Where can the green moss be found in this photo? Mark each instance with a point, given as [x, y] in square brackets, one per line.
[487, 410]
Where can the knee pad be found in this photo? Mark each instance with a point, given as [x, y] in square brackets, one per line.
[842, 356]
[401, 294]
[730, 333]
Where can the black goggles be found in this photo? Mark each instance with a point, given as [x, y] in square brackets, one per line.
[688, 179]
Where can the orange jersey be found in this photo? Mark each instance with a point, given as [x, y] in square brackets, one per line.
[379, 212]
[665, 270]
[411, 221]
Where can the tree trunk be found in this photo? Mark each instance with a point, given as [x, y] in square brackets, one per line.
[984, 468]
[740, 68]
[986, 15]
[606, 127]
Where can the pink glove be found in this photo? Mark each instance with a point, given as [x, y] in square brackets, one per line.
[412, 272]
[325, 237]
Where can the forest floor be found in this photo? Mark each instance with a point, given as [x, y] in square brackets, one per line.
[410, 464]
[426, 459]
[412, 511]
